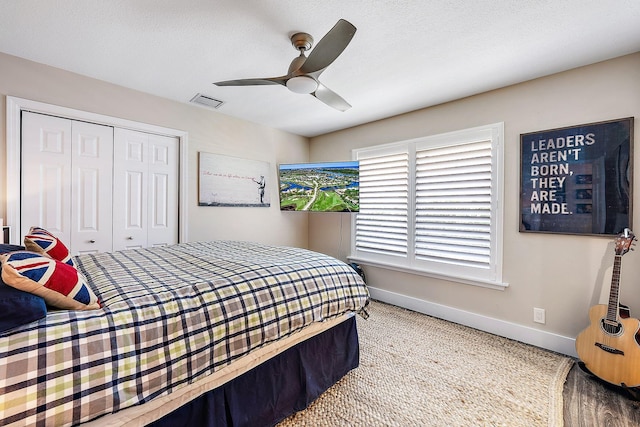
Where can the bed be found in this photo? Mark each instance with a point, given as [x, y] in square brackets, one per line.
[202, 333]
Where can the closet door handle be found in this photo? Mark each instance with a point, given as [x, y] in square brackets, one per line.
[92, 241]
[129, 238]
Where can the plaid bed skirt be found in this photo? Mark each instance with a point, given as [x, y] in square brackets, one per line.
[170, 316]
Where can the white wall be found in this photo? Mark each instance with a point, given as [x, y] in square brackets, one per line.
[208, 130]
[563, 274]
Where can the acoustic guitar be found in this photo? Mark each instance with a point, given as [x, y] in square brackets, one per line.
[610, 346]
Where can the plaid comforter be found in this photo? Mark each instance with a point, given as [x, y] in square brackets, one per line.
[170, 316]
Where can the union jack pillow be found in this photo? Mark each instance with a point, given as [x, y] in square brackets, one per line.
[59, 284]
[43, 242]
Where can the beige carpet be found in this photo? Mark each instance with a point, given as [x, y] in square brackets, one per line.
[416, 370]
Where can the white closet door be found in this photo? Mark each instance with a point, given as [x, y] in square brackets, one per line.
[91, 188]
[96, 187]
[130, 184]
[163, 191]
[145, 185]
[46, 174]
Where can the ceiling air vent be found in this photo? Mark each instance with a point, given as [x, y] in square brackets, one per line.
[207, 101]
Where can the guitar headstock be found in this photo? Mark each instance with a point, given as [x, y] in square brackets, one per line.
[624, 242]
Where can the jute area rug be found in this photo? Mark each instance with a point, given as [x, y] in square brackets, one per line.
[417, 370]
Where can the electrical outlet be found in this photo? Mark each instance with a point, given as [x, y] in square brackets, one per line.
[538, 315]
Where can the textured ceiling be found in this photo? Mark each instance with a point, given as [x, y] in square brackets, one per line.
[404, 56]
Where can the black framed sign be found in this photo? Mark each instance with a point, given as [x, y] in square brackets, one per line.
[578, 179]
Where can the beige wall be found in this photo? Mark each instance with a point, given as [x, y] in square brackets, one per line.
[563, 274]
[208, 131]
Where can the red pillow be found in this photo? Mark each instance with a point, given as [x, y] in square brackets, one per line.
[59, 284]
[41, 241]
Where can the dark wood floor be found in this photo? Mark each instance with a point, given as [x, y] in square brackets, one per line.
[589, 402]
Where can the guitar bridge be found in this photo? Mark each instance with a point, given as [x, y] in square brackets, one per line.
[609, 349]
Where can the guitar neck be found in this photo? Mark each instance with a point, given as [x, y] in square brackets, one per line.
[614, 293]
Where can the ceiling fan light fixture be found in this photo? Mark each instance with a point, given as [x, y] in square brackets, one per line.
[302, 84]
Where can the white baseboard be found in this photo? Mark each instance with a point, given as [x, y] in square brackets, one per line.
[550, 341]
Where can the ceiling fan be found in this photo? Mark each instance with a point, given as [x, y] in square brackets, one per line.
[304, 71]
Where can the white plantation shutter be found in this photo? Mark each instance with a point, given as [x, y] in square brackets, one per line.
[432, 206]
[453, 204]
[381, 225]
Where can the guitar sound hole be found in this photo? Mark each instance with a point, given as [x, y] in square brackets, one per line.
[611, 329]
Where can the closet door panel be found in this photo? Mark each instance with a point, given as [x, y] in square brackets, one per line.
[92, 195]
[134, 200]
[51, 212]
[163, 191]
[130, 189]
[46, 174]
[160, 209]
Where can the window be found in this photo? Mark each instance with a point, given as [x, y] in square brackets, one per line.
[433, 206]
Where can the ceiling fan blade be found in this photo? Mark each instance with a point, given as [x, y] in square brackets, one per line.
[331, 98]
[329, 47]
[253, 82]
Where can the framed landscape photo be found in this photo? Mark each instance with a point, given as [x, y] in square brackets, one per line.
[578, 179]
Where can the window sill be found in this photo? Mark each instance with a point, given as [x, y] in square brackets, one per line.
[500, 286]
